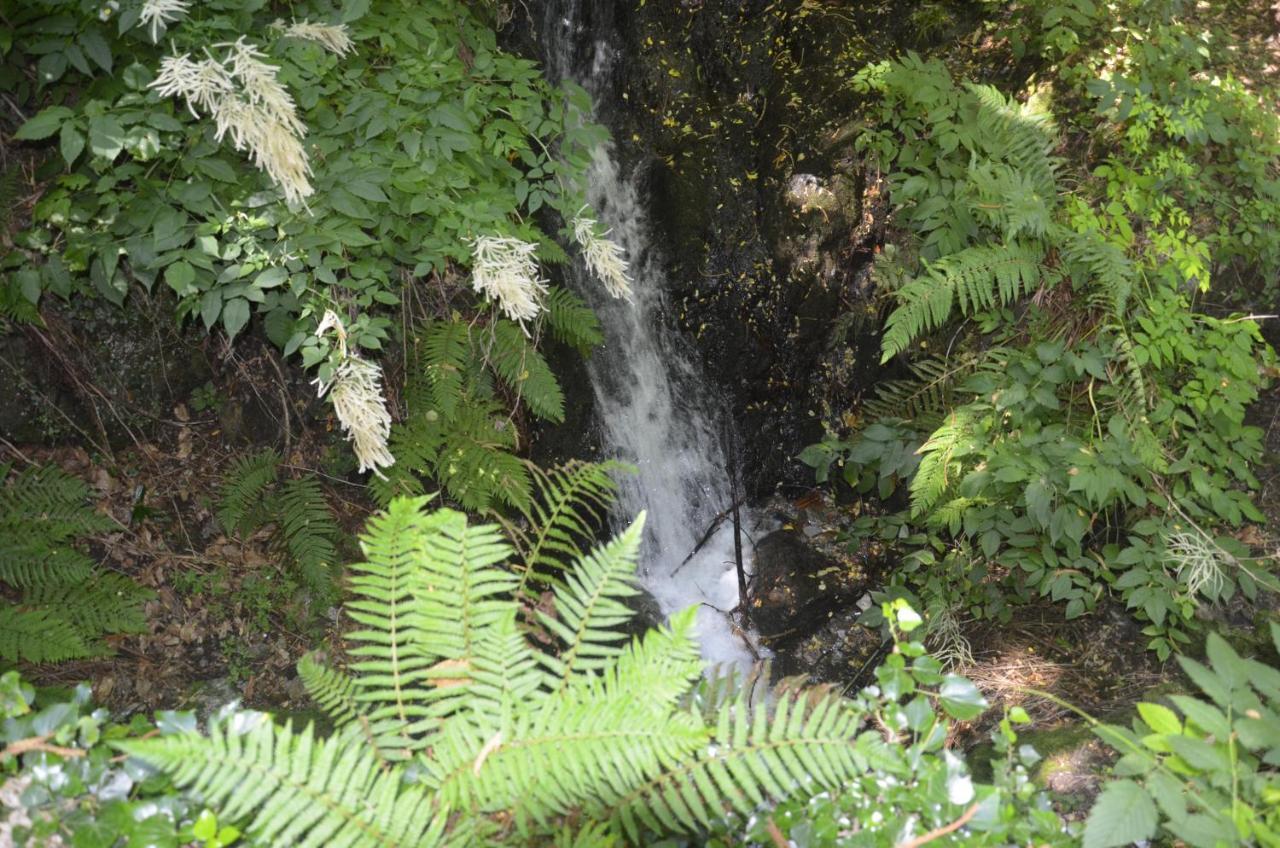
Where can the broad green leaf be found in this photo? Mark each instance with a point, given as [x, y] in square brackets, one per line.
[106, 136]
[44, 124]
[235, 314]
[1123, 814]
[1159, 718]
[960, 698]
[70, 142]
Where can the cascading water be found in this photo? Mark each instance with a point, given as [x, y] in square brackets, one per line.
[655, 410]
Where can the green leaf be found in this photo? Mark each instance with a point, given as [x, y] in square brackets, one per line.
[1159, 718]
[960, 698]
[235, 314]
[71, 142]
[180, 275]
[271, 278]
[96, 48]
[106, 136]
[44, 124]
[1123, 814]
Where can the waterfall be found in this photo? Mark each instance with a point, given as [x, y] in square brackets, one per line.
[654, 406]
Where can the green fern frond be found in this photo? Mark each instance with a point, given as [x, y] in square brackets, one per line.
[939, 471]
[301, 791]
[1022, 137]
[445, 348]
[571, 502]
[40, 635]
[308, 532]
[105, 603]
[48, 500]
[519, 364]
[654, 672]
[590, 608]
[240, 507]
[27, 561]
[503, 675]
[390, 664]
[926, 398]
[476, 464]
[571, 321]
[977, 278]
[1101, 265]
[332, 690]
[757, 754]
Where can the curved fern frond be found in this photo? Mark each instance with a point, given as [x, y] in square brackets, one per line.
[589, 606]
[27, 560]
[240, 507]
[390, 666]
[799, 745]
[653, 672]
[571, 502]
[571, 321]
[938, 471]
[977, 278]
[445, 348]
[301, 791]
[48, 500]
[925, 399]
[519, 364]
[105, 603]
[333, 691]
[1021, 136]
[40, 635]
[309, 534]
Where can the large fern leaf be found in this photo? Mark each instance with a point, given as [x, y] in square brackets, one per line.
[240, 506]
[572, 321]
[445, 348]
[938, 471]
[104, 603]
[301, 791]
[39, 635]
[590, 608]
[308, 532]
[519, 364]
[976, 278]
[572, 501]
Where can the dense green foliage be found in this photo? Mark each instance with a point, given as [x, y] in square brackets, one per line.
[421, 139]
[60, 604]
[454, 727]
[1209, 778]
[1081, 432]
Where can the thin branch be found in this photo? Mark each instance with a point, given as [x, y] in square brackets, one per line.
[939, 832]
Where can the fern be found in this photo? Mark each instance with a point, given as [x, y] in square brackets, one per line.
[571, 502]
[307, 792]
[244, 489]
[66, 603]
[445, 348]
[926, 398]
[939, 468]
[524, 743]
[1021, 137]
[571, 321]
[39, 636]
[515, 360]
[308, 533]
[977, 277]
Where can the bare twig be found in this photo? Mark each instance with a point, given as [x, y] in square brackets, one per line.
[939, 832]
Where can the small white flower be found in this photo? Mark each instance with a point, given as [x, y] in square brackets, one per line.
[258, 84]
[505, 271]
[156, 13]
[603, 257]
[271, 145]
[332, 37]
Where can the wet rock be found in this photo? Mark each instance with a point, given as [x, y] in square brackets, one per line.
[841, 651]
[799, 582]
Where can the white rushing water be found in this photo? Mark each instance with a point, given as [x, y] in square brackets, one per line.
[655, 409]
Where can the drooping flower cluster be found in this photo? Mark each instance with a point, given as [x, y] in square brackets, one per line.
[603, 257]
[355, 390]
[156, 13]
[332, 37]
[505, 271]
[242, 93]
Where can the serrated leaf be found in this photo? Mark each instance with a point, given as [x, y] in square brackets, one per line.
[1159, 718]
[1123, 814]
[44, 124]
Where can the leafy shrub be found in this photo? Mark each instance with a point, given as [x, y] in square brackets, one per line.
[1210, 777]
[1088, 427]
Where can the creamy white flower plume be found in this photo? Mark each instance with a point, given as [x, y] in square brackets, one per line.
[157, 12]
[603, 256]
[504, 270]
[355, 390]
[332, 37]
[248, 103]
[202, 84]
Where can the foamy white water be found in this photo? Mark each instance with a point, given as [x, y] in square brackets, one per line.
[656, 411]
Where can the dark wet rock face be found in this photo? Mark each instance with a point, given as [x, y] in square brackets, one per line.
[797, 585]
